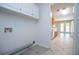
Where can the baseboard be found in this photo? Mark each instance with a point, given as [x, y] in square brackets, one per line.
[43, 45]
[20, 50]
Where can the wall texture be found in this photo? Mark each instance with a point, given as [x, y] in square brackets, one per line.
[76, 26]
[44, 28]
[23, 31]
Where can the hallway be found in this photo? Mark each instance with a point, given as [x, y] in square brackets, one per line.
[33, 31]
[62, 44]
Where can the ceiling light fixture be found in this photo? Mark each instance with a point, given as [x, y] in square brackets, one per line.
[64, 11]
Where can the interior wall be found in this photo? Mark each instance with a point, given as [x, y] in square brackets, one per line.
[44, 28]
[76, 26]
[23, 31]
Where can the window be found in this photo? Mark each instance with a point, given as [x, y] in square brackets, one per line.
[62, 27]
[67, 27]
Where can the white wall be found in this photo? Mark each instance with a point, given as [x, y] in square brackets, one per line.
[44, 28]
[24, 32]
[76, 34]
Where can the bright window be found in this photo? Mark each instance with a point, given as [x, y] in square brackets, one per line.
[62, 27]
[67, 27]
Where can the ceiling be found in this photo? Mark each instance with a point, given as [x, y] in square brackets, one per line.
[63, 11]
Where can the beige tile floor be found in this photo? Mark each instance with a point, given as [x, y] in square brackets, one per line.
[36, 50]
[61, 45]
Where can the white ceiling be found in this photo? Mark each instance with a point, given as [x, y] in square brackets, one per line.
[58, 6]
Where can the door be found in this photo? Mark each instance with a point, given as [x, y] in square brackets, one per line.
[65, 27]
[62, 29]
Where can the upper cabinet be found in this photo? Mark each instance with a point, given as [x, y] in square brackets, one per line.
[11, 6]
[28, 9]
[35, 11]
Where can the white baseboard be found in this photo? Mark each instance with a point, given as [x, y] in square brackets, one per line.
[43, 45]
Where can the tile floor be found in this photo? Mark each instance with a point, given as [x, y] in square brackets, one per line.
[36, 50]
[61, 45]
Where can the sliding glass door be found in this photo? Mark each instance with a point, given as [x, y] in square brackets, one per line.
[65, 28]
[61, 27]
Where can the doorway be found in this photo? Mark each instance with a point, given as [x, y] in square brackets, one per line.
[63, 28]
[66, 28]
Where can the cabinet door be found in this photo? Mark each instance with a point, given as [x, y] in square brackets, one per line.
[35, 11]
[27, 9]
[14, 5]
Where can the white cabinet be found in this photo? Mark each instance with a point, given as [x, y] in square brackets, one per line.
[35, 11]
[31, 9]
[28, 9]
[12, 6]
